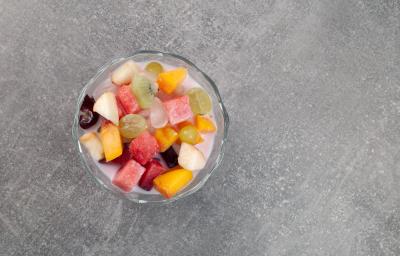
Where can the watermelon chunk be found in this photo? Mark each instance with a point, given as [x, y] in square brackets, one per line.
[144, 148]
[121, 111]
[128, 176]
[178, 109]
[127, 100]
[153, 169]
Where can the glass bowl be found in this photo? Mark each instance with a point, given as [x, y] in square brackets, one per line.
[220, 116]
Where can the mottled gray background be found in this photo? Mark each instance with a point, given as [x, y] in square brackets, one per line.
[313, 161]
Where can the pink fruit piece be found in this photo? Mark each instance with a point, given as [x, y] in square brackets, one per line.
[144, 147]
[128, 176]
[178, 109]
[165, 97]
[153, 169]
[127, 100]
[121, 111]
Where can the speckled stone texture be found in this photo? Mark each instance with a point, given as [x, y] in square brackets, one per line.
[313, 160]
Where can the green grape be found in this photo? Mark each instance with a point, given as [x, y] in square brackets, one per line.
[143, 90]
[200, 102]
[154, 68]
[190, 135]
[130, 126]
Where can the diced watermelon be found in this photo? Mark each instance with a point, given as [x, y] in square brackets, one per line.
[128, 176]
[153, 169]
[144, 147]
[127, 100]
[121, 111]
[178, 109]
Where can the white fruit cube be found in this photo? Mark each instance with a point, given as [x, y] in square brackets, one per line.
[93, 144]
[124, 73]
[106, 106]
[191, 158]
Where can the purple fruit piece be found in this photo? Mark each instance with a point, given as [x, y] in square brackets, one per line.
[87, 118]
[88, 103]
[170, 157]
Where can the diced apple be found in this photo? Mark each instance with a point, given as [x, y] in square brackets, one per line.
[93, 144]
[124, 73]
[191, 158]
[107, 107]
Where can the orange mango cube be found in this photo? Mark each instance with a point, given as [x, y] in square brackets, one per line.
[170, 183]
[170, 80]
[111, 141]
[204, 124]
[183, 124]
[165, 137]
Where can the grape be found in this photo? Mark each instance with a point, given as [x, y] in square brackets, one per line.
[132, 125]
[158, 117]
[142, 89]
[200, 102]
[189, 134]
[154, 68]
[87, 118]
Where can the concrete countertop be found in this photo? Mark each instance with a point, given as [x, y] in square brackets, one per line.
[313, 160]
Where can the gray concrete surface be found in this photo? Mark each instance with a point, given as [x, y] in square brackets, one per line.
[312, 88]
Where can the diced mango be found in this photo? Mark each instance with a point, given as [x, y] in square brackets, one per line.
[204, 124]
[170, 183]
[183, 124]
[111, 141]
[165, 137]
[170, 80]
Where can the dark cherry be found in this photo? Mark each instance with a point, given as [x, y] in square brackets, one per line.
[88, 103]
[87, 118]
[170, 157]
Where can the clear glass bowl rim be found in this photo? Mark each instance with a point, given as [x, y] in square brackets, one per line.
[221, 105]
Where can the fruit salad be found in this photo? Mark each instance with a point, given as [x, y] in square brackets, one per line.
[149, 127]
